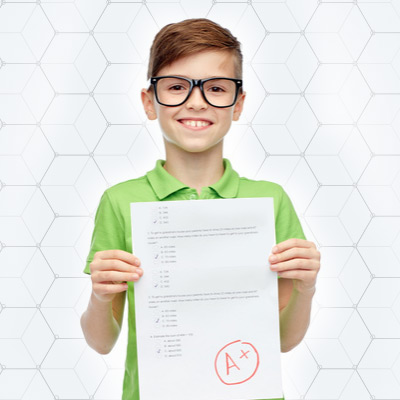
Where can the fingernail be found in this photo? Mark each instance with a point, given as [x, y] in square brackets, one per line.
[273, 258]
[275, 249]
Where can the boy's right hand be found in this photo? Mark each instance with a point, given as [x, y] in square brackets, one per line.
[111, 270]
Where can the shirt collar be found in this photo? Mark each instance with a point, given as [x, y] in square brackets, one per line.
[164, 184]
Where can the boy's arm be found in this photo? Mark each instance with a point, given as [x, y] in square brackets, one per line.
[297, 263]
[101, 322]
[294, 313]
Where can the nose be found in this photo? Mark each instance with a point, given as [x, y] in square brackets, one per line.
[196, 100]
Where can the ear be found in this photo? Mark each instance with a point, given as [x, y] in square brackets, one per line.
[147, 97]
[238, 106]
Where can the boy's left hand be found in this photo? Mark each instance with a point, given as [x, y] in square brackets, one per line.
[297, 259]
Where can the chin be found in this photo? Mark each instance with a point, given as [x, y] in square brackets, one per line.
[195, 149]
[192, 144]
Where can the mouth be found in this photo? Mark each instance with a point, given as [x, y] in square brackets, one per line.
[195, 124]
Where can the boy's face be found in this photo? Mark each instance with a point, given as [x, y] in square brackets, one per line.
[183, 137]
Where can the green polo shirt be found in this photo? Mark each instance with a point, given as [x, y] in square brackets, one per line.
[112, 228]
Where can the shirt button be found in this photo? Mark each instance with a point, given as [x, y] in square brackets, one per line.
[192, 196]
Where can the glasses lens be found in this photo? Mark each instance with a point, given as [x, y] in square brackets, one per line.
[220, 92]
[172, 91]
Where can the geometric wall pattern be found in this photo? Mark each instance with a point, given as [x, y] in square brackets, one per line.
[321, 118]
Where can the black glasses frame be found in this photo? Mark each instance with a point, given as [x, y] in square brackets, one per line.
[193, 83]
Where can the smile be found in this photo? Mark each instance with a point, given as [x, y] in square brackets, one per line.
[190, 123]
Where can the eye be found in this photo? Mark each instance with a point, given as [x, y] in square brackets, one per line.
[177, 87]
[216, 89]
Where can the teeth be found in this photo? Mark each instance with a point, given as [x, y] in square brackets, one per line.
[195, 123]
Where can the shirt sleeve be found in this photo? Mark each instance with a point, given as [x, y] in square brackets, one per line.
[108, 232]
[287, 224]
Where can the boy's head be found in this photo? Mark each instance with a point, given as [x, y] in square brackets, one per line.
[189, 37]
[191, 119]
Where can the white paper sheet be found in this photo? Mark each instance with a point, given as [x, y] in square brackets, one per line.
[207, 318]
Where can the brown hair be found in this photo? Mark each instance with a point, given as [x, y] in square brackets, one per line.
[188, 37]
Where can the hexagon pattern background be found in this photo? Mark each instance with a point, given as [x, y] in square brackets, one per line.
[322, 118]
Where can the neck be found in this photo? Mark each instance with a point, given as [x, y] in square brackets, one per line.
[195, 170]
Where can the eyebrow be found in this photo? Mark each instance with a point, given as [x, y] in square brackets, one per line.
[206, 77]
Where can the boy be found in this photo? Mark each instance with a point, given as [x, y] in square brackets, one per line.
[194, 121]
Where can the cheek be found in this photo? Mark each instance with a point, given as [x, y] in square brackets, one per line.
[168, 127]
[165, 129]
[165, 118]
[227, 115]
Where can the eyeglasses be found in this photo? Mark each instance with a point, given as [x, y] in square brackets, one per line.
[173, 91]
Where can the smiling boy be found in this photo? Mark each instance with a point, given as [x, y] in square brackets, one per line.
[194, 117]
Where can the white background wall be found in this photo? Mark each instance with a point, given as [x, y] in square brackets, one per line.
[321, 118]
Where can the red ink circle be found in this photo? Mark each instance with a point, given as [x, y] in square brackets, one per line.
[232, 361]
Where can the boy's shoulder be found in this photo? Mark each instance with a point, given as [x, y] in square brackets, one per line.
[260, 187]
[141, 180]
[129, 189]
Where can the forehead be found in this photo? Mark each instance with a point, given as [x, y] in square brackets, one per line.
[204, 64]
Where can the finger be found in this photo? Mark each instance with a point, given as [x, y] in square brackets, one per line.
[293, 242]
[301, 275]
[118, 255]
[294, 252]
[110, 288]
[114, 276]
[296, 263]
[115, 265]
